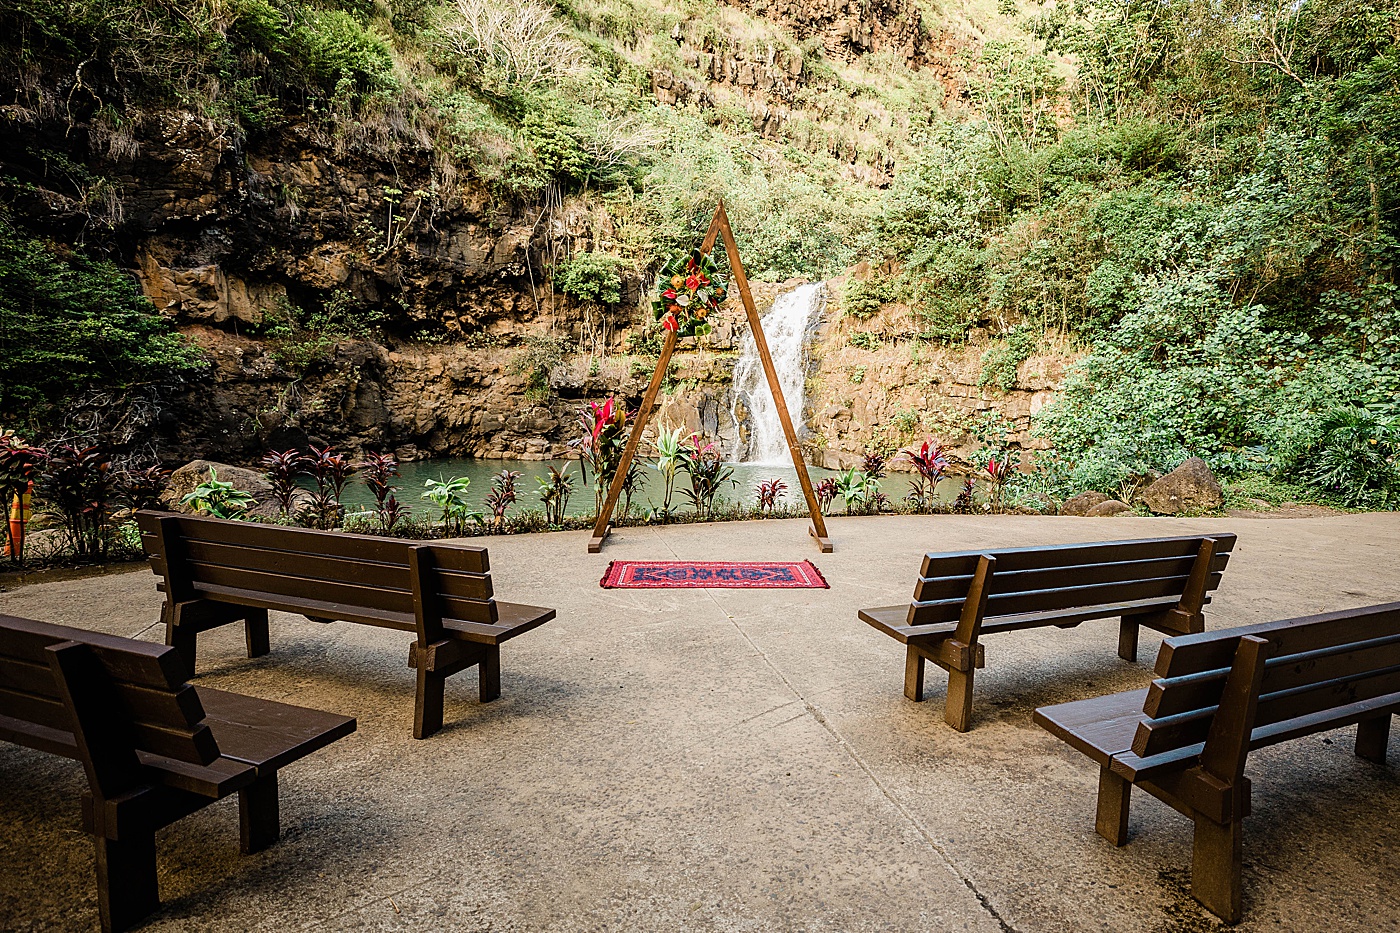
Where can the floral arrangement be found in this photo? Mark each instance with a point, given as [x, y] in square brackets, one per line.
[688, 290]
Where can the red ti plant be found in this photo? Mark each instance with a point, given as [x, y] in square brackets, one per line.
[873, 465]
[282, 467]
[769, 492]
[998, 471]
[78, 483]
[502, 495]
[379, 471]
[600, 447]
[930, 463]
[142, 489]
[331, 471]
[19, 465]
[825, 491]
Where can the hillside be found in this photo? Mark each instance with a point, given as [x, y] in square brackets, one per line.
[431, 226]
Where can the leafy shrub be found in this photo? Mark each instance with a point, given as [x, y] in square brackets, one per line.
[862, 299]
[78, 482]
[69, 323]
[1001, 361]
[591, 277]
[863, 340]
[1354, 458]
[451, 498]
[337, 48]
[542, 353]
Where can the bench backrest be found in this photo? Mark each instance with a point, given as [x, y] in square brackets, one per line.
[364, 578]
[1317, 672]
[133, 694]
[1042, 579]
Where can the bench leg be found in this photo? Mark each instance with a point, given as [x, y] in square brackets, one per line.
[1215, 867]
[1114, 798]
[489, 673]
[1127, 639]
[1372, 738]
[914, 675]
[126, 881]
[427, 705]
[259, 822]
[957, 712]
[183, 641]
[255, 633]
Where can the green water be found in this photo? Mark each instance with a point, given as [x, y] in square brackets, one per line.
[748, 475]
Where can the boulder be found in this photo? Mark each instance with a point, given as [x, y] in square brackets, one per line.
[251, 481]
[1108, 508]
[1083, 503]
[1191, 487]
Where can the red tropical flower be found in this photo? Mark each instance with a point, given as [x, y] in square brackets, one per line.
[692, 283]
[669, 293]
[670, 323]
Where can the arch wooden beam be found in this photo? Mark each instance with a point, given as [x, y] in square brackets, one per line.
[719, 228]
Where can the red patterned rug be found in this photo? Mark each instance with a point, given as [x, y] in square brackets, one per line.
[706, 574]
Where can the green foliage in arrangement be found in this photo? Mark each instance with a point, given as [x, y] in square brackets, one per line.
[69, 324]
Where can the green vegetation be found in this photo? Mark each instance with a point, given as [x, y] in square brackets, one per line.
[70, 324]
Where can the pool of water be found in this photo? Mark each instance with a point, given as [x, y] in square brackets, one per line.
[414, 474]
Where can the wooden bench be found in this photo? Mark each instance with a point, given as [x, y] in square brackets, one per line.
[1161, 583]
[154, 748]
[1222, 694]
[217, 572]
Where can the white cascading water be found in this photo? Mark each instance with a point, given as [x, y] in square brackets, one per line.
[787, 326]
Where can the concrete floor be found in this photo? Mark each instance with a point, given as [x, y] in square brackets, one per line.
[731, 759]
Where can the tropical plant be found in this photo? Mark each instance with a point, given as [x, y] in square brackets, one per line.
[142, 489]
[450, 496]
[631, 484]
[707, 472]
[826, 492]
[379, 471]
[1354, 458]
[873, 464]
[998, 472]
[966, 499]
[502, 495]
[218, 498]
[390, 512]
[600, 446]
[669, 450]
[859, 490]
[282, 467]
[768, 493]
[930, 462]
[555, 490]
[332, 472]
[77, 481]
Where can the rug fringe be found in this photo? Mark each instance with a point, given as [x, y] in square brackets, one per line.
[820, 576]
[603, 583]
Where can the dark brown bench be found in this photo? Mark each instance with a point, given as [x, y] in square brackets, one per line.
[217, 572]
[1161, 583]
[1220, 695]
[153, 747]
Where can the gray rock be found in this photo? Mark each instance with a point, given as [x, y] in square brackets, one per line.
[1109, 508]
[1081, 504]
[184, 481]
[1191, 487]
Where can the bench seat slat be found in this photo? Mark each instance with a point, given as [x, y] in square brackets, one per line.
[297, 564]
[367, 597]
[48, 739]
[1191, 653]
[1100, 727]
[135, 662]
[1042, 601]
[1068, 555]
[1049, 578]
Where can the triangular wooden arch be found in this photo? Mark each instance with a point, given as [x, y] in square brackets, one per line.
[719, 226]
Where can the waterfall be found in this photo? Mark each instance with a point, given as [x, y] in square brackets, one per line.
[787, 326]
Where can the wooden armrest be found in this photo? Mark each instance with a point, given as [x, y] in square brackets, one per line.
[1100, 727]
[266, 734]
